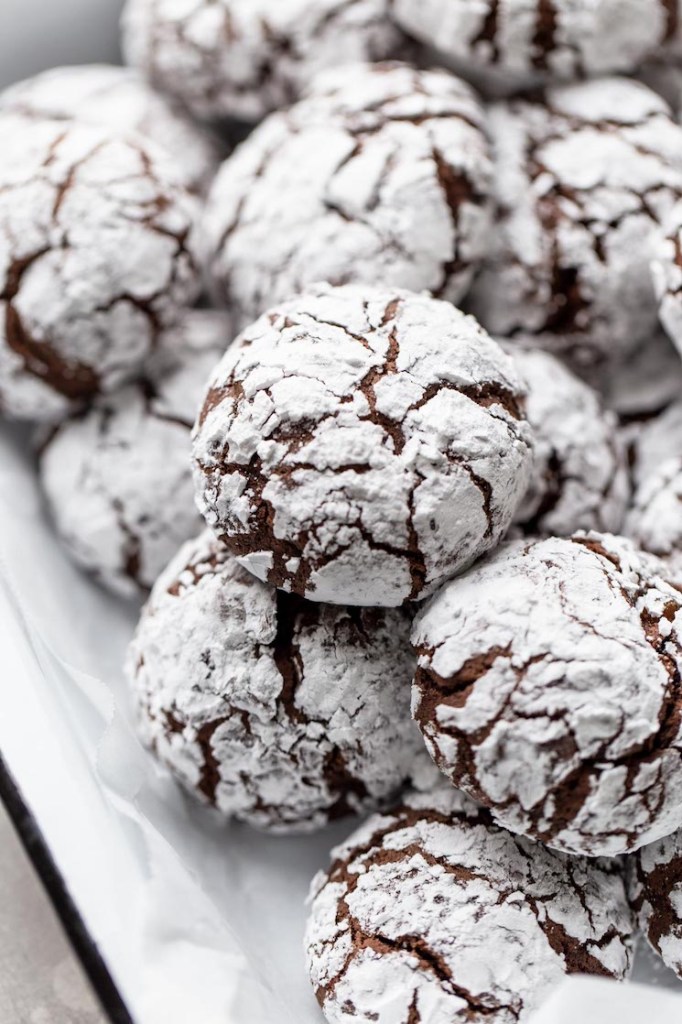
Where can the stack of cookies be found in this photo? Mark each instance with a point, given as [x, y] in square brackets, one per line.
[351, 332]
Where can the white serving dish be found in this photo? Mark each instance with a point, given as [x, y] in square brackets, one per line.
[196, 923]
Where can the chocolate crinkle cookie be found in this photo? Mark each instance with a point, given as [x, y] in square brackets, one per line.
[278, 712]
[119, 98]
[97, 243]
[580, 475]
[655, 887]
[361, 445]
[431, 913]
[514, 43]
[586, 176]
[245, 58]
[380, 175]
[117, 478]
[548, 688]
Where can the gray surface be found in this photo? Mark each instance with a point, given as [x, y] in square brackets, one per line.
[37, 34]
[41, 982]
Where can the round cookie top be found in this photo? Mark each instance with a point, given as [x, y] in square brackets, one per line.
[120, 99]
[118, 479]
[432, 913]
[361, 445]
[586, 176]
[520, 41]
[580, 475]
[382, 175]
[278, 712]
[547, 688]
[96, 257]
[655, 887]
[245, 58]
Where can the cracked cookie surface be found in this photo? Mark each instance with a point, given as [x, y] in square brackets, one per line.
[120, 99]
[586, 176]
[430, 912]
[118, 478]
[245, 58]
[579, 479]
[548, 688]
[360, 445]
[379, 175]
[514, 43]
[276, 711]
[655, 888]
[96, 257]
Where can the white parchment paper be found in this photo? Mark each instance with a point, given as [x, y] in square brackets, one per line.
[198, 922]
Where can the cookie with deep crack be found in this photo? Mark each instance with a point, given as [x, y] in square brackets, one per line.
[120, 99]
[548, 688]
[276, 711]
[245, 58]
[379, 175]
[515, 43]
[433, 913]
[655, 888]
[586, 176]
[97, 240]
[361, 445]
[117, 478]
[580, 475]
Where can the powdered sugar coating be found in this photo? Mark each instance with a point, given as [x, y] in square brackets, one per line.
[528, 40]
[361, 445]
[580, 478]
[120, 99]
[382, 175]
[548, 689]
[118, 478]
[278, 712]
[96, 257]
[586, 176]
[431, 913]
[655, 887]
[245, 58]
